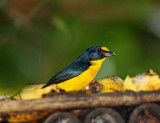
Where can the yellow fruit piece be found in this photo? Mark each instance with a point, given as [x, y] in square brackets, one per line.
[6, 93]
[25, 117]
[111, 84]
[34, 91]
[146, 82]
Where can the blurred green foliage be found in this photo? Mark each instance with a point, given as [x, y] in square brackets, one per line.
[35, 46]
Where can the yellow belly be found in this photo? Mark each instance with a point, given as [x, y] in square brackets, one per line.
[82, 80]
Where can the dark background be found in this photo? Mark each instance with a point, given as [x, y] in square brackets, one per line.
[38, 38]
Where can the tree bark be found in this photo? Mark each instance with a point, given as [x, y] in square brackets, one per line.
[79, 101]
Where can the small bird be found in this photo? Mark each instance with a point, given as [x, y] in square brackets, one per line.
[82, 70]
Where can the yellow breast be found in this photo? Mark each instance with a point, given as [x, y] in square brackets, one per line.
[82, 80]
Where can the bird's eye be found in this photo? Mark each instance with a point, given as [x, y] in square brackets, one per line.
[99, 50]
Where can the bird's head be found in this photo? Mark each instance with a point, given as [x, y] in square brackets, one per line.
[98, 52]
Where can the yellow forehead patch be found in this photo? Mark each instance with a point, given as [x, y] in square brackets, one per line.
[105, 48]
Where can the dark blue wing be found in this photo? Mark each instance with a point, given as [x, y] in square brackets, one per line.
[73, 70]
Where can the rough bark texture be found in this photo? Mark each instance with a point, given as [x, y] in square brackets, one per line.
[79, 101]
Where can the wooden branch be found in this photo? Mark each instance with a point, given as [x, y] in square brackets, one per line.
[79, 101]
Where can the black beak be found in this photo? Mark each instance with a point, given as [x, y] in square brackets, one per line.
[108, 53]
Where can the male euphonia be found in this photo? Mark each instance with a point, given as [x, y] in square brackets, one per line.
[82, 70]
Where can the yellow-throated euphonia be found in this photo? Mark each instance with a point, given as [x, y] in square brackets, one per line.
[82, 70]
